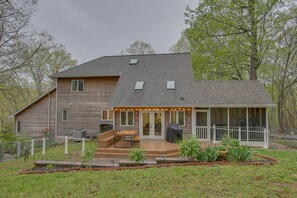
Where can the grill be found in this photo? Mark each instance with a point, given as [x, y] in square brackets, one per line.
[174, 133]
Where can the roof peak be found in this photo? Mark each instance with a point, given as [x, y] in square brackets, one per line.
[146, 54]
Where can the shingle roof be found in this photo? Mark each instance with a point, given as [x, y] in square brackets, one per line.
[155, 70]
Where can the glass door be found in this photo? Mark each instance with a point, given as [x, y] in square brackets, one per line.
[152, 125]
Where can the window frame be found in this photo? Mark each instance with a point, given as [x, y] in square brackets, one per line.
[177, 117]
[108, 114]
[72, 90]
[18, 126]
[63, 115]
[127, 113]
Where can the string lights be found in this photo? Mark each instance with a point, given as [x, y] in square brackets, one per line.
[152, 109]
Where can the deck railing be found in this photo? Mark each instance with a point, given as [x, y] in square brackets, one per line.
[257, 136]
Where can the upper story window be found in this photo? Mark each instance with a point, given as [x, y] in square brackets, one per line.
[177, 117]
[64, 115]
[127, 118]
[107, 115]
[77, 85]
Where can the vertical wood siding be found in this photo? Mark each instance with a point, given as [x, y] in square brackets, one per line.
[84, 108]
[34, 119]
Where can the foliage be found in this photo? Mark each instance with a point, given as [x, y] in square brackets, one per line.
[50, 166]
[221, 148]
[182, 45]
[139, 48]
[229, 141]
[7, 137]
[88, 156]
[137, 155]
[189, 147]
[239, 153]
[209, 154]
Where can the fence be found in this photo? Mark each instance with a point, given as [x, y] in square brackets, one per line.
[37, 147]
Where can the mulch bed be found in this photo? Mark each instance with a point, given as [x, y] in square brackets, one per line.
[42, 170]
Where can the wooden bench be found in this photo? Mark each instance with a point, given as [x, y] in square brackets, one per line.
[106, 139]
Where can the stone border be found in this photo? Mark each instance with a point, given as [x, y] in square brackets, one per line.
[270, 161]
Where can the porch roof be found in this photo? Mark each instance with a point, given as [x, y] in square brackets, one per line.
[189, 93]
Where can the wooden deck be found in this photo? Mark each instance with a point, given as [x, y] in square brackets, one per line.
[153, 148]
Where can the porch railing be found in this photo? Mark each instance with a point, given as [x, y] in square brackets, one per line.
[257, 136]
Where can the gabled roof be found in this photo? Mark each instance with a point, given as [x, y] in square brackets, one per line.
[116, 65]
[34, 101]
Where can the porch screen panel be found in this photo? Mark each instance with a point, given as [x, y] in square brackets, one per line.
[201, 119]
[237, 117]
[218, 117]
[263, 117]
[254, 117]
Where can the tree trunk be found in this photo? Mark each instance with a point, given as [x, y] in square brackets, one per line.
[280, 106]
[253, 41]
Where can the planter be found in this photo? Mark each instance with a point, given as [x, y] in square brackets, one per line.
[130, 163]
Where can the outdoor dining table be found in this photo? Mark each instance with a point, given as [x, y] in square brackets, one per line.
[127, 136]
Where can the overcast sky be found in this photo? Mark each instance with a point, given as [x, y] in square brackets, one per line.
[93, 28]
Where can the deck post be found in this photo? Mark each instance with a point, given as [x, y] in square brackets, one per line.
[18, 149]
[265, 139]
[32, 146]
[208, 124]
[267, 126]
[66, 145]
[43, 146]
[83, 145]
[239, 133]
[247, 124]
[214, 134]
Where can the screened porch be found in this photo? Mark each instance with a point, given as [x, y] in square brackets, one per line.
[248, 125]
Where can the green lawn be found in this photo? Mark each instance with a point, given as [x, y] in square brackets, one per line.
[279, 180]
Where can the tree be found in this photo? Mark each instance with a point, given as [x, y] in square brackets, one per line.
[50, 60]
[139, 48]
[182, 45]
[15, 35]
[231, 37]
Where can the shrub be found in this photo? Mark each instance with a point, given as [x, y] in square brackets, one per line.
[137, 155]
[88, 156]
[50, 167]
[221, 148]
[239, 153]
[229, 141]
[189, 147]
[210, 154]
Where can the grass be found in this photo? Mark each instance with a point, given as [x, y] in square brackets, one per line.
[279, 180]
[289, 143]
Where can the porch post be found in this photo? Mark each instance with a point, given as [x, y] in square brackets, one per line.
[214, 133]
[247, 124]
[265, 139]
[194, 122]
[239, 133]
[267, 126]
[113, 122]
[228, 121]
[208, 124]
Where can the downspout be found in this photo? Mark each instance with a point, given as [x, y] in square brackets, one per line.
[56, 128]
[49, 111]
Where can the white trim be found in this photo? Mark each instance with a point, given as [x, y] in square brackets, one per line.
[228, 120]
[126, 119]
[152, 135]
[108, 113]
[64, 109]
[247, 124]
[34, 101]
[193, 121]
[77, 86]
[177, 116]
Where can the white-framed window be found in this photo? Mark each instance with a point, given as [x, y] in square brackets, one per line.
[107, 115]
[77, 85]
[18, 126]
[64, 115]
[178, 117]
[127, 118]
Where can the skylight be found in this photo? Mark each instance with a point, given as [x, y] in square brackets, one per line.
[133, 61]
[139, 85]
[170, 85]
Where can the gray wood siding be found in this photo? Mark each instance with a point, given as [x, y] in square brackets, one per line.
[34, 119]
[84, 108]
